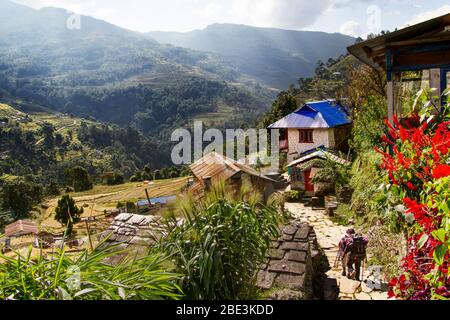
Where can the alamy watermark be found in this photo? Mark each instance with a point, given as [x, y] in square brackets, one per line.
[73, 22]
[249, 146]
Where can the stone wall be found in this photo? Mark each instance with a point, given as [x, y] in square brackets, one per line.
[321, 137]
[293, 264]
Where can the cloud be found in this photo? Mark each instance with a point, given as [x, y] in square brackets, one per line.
[79, 6]
[290, 14]
[346, 3]
[351, 28]
[424, 16]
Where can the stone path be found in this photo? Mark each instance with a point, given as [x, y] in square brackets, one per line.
[329, 234]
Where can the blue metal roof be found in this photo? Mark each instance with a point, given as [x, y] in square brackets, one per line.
[314, 115]
[161, 200]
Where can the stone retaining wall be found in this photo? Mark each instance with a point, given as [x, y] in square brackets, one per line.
[293, 264]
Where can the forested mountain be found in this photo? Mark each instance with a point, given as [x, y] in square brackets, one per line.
[274, 56]
[116, 75]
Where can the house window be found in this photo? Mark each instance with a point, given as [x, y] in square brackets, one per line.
[306, 136]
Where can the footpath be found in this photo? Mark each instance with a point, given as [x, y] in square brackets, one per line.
[329, 234]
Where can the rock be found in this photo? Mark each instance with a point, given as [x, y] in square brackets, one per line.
[379, 296]
[295, 246]
[265, 280]
[348, 286]
[286, 294]
[287, 237]
[362, 296]
[276, 254]
[283, 266]
[289, 230]
[299, 256]
[296, 282]
[302, 233]
[274, 244]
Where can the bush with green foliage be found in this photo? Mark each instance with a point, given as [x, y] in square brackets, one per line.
[222, 244]
[19, 196]
[85, 276]
[78, 178]
[293, 195]
[112, 178]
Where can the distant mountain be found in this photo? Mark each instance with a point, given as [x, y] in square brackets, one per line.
[116, 75]
[274, 56]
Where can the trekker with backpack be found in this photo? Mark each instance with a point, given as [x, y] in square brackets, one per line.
[343, 249]
[356, 255]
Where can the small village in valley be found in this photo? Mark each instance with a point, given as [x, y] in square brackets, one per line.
[356, 208]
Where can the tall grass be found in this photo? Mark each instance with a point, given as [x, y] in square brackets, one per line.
[222, 243]
[85, 276]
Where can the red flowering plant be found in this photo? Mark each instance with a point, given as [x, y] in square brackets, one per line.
[417, 164]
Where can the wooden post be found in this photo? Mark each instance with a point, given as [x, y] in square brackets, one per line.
[148, 198]
[390, 87]
[89, 234]
[435, 83]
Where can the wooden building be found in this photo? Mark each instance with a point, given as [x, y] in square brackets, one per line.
[423, 49]
[214, 168]
[21, 228]
[303, 170]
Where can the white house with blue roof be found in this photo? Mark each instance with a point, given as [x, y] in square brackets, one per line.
[319, 124]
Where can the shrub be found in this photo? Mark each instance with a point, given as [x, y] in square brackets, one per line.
[221, 245]
[293, 195]
[419, 173]
[86, 276]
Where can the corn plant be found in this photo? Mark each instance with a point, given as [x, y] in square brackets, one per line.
[85, 276]
[222, 244]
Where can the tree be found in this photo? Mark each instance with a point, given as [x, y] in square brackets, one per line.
[283, 105]
[19, 196]
[78, 178]
[49, 139]
[113, 178]
[67, 213]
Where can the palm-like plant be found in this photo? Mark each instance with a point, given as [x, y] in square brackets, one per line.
[85, 276]
[222, 244]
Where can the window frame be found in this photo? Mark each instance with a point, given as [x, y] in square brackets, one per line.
[306, 136]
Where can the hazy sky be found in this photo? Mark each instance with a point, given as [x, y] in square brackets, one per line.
[353, 17]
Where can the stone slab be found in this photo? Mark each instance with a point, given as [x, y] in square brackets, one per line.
[265, 280]
[283, 266]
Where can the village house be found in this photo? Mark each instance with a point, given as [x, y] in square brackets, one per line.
[319, 124]
[414, 58]
[302, 171]
[214, 168]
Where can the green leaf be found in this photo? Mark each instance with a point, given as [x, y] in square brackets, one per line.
[439, 254]
[439, 235]
[84, 292]
[422, 241]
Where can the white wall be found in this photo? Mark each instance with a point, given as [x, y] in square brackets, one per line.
[321, 137]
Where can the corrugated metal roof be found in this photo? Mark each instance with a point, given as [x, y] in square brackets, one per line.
[159, 200]
[21, 228]
[373, 51]
[322, 154]
[219, 167]
[314, 115]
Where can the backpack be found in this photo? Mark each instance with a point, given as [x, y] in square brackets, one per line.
[357, 247]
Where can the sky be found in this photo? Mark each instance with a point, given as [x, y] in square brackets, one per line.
[352, 17]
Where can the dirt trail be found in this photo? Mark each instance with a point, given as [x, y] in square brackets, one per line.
[329, 234]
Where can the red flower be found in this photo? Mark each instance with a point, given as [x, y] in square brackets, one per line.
[441, 171]
[411, 186]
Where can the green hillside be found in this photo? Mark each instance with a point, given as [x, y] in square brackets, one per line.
[116, 75]
[273, 56]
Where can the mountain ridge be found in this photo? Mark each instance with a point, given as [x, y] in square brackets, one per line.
[293, 54]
